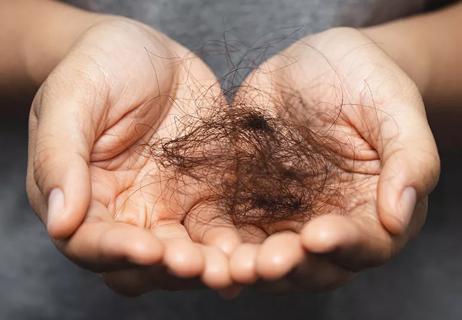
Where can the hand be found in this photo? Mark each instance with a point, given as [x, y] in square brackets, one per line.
[354, 93]
[90, 178]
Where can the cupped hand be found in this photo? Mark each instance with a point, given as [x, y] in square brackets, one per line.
[346, 88]
[90, 176]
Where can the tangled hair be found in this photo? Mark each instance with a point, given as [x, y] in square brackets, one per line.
[255, 166]
[259, 160]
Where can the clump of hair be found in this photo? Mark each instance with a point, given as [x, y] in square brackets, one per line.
[255, 166]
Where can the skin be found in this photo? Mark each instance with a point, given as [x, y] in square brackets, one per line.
[362, 98]
[105, 183]
[85, 171]
[87, 178]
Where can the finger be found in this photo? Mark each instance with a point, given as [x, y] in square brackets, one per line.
[206, 226]
[279, 254]
[216, 273]
[59, 151]
[410, 170]
[182, 256]
[105, 245]
[354, 243]
[242, 263]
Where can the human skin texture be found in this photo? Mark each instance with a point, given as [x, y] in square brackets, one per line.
[253, 167]
[89, 183]
[340, 98]
[342, 87]
[360, 98]
[110, 191]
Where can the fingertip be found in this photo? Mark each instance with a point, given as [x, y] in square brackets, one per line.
[279, 254]
[243, 264]
[397, 221]
[129, 243]
[325, 234]
[216, 273]
[146, 251]
[60, 222]
[68, 190]
[408, 175]
[392, 224]
[183, 258]
[60, 230]
[223, 236]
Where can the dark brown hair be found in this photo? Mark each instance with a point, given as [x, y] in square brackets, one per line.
[254, 165]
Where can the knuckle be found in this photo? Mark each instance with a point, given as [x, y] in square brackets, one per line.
[435, 168]
[34, 196]
[44, 161]
[429, 172]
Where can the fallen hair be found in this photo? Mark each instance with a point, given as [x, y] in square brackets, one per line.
[255, 166]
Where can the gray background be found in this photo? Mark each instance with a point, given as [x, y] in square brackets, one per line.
[423, 282]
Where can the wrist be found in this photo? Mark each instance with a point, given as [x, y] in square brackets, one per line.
[405, 46]
[43, 48]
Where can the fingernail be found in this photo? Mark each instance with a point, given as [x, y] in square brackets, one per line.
[55, 205]
[407, 205]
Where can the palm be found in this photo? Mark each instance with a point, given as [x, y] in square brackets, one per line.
[343, 87]
[352, 89]
[134, 84]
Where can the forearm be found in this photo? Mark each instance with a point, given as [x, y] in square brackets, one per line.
[429, 48]
[34, 36]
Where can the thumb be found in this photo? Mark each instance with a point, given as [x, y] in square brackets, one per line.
[59, 149]
[410, 170]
